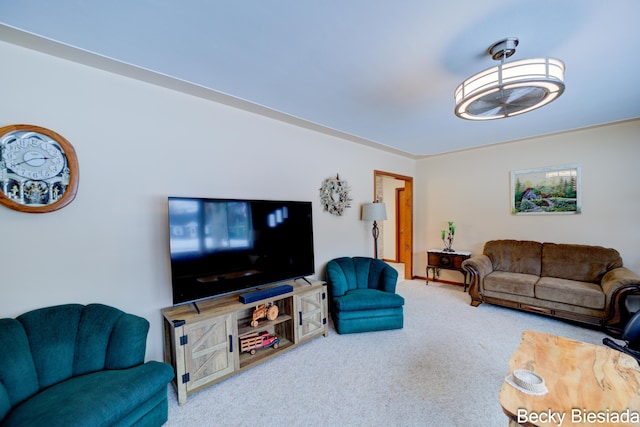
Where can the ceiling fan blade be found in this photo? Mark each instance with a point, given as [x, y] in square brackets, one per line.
[485, 108]
[524, 96]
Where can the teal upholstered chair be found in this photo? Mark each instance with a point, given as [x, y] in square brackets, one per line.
[77, 365]
[362, 294]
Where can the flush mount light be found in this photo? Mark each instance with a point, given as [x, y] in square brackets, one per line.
[510, 88]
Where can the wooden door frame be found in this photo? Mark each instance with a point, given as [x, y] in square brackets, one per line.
[408, 186]
[398, 233]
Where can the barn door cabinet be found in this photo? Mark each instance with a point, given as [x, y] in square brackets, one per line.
[311, 308]
[207, 342]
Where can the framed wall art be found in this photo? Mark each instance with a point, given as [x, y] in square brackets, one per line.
[544, 191]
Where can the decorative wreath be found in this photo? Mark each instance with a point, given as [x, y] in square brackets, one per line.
[334, 195]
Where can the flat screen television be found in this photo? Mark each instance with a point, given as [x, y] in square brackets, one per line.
[221, 246]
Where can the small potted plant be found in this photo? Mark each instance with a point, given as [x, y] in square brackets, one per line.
[447, 237]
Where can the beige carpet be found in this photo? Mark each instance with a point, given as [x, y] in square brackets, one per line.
[445, 368]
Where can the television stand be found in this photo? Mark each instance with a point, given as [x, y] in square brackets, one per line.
[213, 340]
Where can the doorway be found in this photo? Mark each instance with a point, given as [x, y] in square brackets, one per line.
[396, 234]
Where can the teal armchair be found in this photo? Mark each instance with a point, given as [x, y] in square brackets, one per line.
[363, 296]
[76, 365]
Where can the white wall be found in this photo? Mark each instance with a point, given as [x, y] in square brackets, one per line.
[137, 144]
[472, 188]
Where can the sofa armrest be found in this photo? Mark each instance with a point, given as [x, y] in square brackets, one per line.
[618, 278]
[616, 284]
[479, 266]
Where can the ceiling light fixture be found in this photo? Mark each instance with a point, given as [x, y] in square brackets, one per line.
[510, 88]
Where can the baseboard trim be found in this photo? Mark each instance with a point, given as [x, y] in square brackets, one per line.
[448, 282]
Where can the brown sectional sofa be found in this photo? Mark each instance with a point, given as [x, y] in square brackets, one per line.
[582, 283]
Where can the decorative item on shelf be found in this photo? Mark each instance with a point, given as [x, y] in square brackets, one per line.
[334, 195]
[269, 311]
[38, 169]
[447, 237]
[256, 340]
[510, 88]
[375, 211]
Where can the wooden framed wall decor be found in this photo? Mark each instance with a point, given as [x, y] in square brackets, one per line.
[543, 191]
[38, 169]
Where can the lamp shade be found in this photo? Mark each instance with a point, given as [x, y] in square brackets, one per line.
[374, 212]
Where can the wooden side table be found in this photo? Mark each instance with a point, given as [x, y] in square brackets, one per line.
[440, 259]
[586, 384]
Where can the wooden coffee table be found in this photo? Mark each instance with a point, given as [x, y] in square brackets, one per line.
[588, 385]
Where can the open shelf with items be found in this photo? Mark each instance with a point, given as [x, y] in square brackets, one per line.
[217, 339]
[280, 327]
[246, 359]
[269, 323]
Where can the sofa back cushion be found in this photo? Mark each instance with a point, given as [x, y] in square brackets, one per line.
[578, 262]
[346, 273]
[515, 256]
[18, 376]
[109, 339]
[52, 335]
[43, 347]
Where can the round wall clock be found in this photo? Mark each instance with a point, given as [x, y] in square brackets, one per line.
[38, 169]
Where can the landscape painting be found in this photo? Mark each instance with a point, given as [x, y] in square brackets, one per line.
[551, 190]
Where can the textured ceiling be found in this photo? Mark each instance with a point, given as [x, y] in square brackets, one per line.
[380, 71]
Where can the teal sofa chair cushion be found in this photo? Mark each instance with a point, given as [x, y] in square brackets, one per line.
[76, 365]
[363, 295]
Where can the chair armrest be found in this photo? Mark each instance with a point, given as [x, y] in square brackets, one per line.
[336, 279]
[128, 342]
[616, 284]
[389, 279]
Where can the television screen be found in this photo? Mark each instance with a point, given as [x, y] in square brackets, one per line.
[219, 246]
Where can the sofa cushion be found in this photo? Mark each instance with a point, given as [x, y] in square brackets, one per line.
[73, 402]
[52, 333]
[572, 292]
[368, 314]
[367, 299]
[578, 262]
[348, 273]
[350, 322]
[73, 339]
[18, 375]
[515, 256]
[511, 283]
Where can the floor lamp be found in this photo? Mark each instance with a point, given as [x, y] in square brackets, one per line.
[374, 212]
